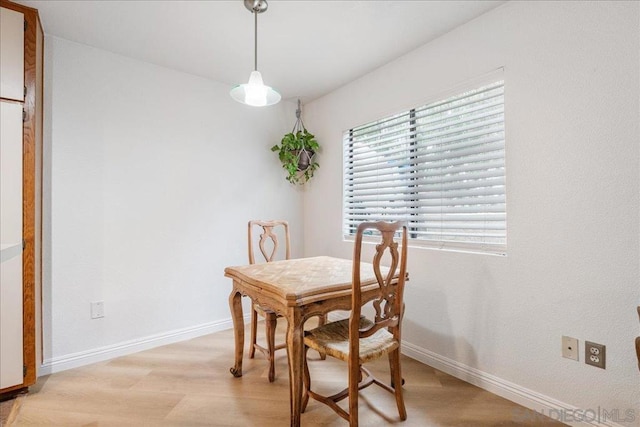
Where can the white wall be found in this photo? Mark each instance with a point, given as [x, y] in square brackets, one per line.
[152, 176]
[572, 144]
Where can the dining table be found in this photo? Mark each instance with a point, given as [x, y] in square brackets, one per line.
[296, 289]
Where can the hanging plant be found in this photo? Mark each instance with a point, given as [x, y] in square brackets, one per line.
[297, 151]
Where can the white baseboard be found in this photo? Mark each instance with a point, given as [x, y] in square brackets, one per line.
[74, 360]
[530, 399]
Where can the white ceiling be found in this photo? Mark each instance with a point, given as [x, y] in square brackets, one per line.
[305, 48]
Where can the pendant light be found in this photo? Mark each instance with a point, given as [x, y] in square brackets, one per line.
[255, 93]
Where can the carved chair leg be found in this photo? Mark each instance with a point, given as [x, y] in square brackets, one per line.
[396, 378]
[322, 320]
[354, 381]
[271, 322]
[254, 330]
[306, 381]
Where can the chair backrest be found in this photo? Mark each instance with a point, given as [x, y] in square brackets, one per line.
[389, 303]
[268, 234]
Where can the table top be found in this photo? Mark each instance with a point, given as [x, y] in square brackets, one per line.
[299, 279]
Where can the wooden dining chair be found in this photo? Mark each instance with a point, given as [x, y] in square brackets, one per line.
[358, 340]
[638, 343]
[270, 317]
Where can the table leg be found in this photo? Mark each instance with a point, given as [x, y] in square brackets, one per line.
[295, 354]
[235, 304]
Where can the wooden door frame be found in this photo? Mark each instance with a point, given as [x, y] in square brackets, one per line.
[32, 188]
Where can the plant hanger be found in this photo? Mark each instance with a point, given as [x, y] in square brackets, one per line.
[297, 151]
[299, 125]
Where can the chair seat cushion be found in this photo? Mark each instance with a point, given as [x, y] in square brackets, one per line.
[333, 339]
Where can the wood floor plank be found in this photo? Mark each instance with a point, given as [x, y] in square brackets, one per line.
[189, 384]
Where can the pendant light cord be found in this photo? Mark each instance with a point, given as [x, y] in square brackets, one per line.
[255, 40]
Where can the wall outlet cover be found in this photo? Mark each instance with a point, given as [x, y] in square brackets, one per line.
[570, 347]
[595, 354]
[97, 309]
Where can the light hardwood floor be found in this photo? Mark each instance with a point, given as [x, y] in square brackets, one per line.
[189, 384]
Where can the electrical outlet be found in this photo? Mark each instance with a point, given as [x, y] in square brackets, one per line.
[570, 347]
[97, 309]
[595, 354]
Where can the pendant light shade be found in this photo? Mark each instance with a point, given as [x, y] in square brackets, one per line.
[255, 93]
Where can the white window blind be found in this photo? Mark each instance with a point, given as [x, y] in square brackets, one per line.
[439, 167]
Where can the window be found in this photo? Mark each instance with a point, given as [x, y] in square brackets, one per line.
[439, 167]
